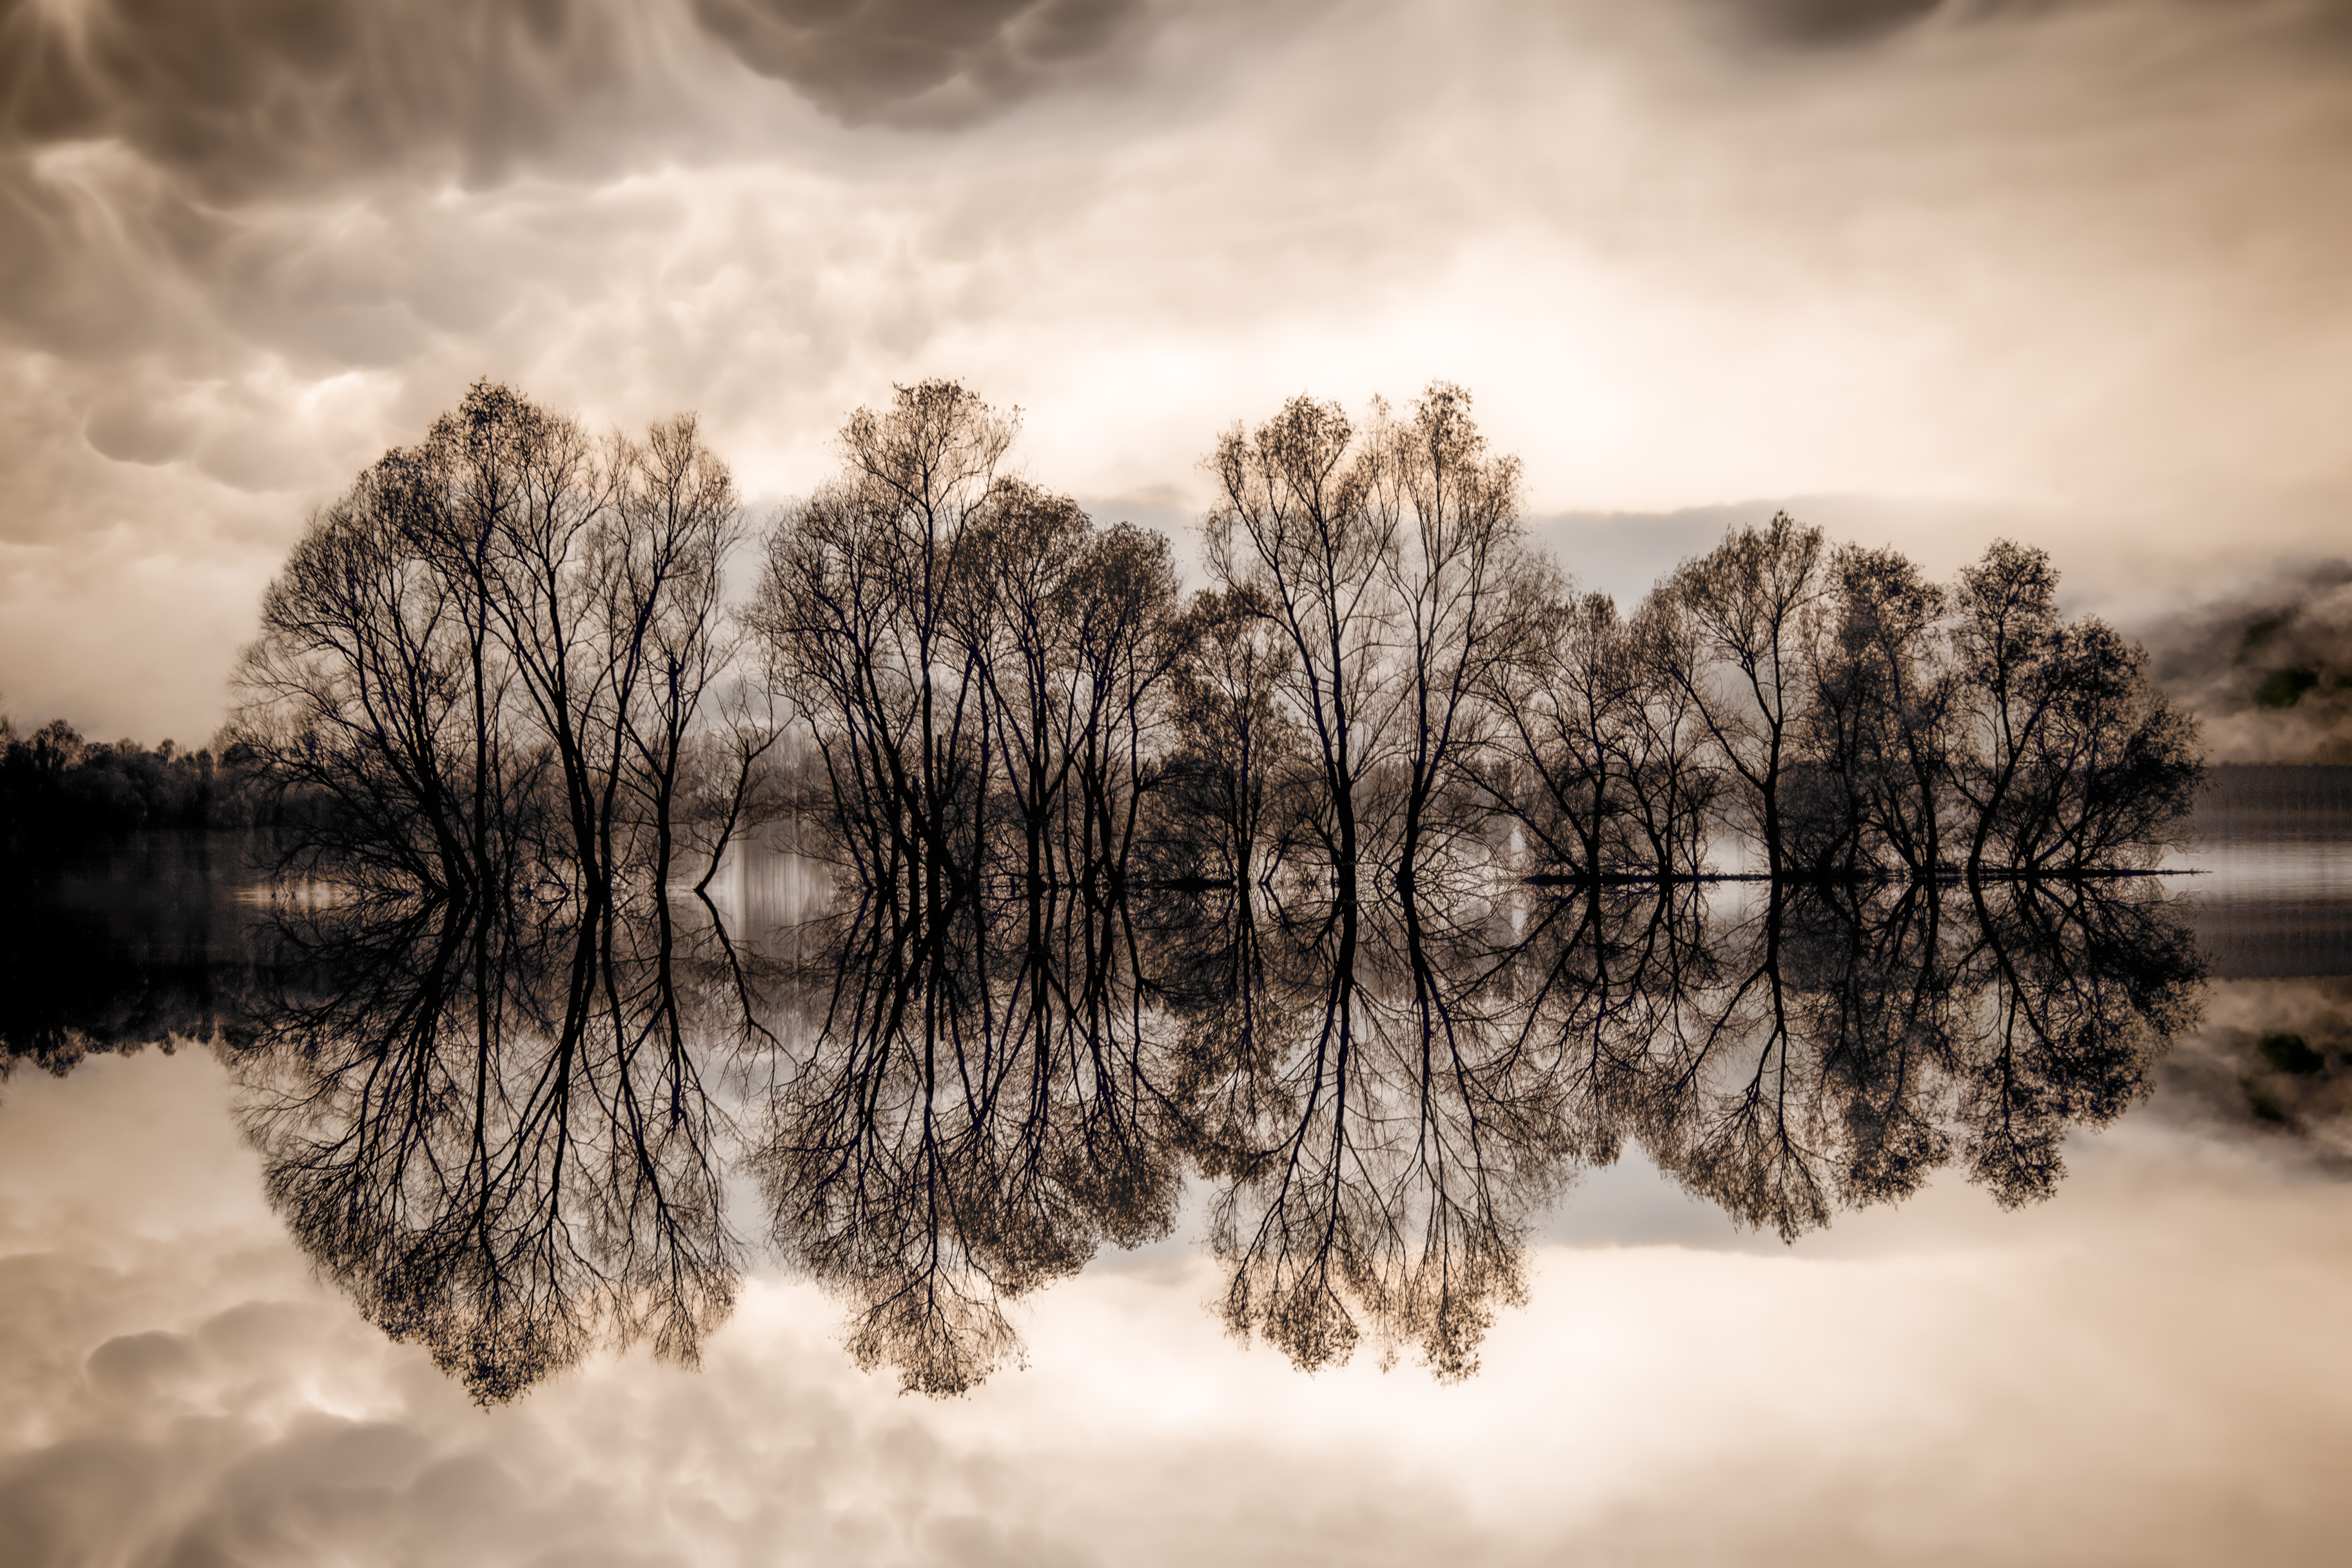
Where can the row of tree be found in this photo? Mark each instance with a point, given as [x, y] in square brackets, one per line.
[1382, 673]
[505, 655]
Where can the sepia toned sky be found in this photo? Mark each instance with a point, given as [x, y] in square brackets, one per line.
[2070, 269]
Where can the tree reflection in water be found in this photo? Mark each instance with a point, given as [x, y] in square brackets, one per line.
[496, 1129]
[975, 1114]
[507, 1134]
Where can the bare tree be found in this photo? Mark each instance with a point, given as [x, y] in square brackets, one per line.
[1124, 640]
[1013, 579]
[663, 562]
[1888, 690]
[1750, 603]
[2003, 636]
[1233, 739]
[373, 688]
[858, 606]
[1294, 526]
[1450, 512]
[1671, 788]
[1570, 697]
[507, 606]
[526, 493]
[735, 785]
[2115, 769]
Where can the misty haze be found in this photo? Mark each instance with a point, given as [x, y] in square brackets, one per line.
[1147, 781]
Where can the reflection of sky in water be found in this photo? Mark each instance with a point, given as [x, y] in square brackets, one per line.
[2104, 1377]
[2137, 1370]
[2268, 869]
[2273, 902]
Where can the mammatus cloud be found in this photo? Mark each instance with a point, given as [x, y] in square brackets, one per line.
[243, 99]
[922, 62]
[1821, 23]
[146, 137]
[1834, 23]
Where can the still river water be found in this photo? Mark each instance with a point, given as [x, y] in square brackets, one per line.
[1731, 1231]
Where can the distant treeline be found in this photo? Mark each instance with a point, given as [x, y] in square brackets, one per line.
[504, 658]
[55, 786]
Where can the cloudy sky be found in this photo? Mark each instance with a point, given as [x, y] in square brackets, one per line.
[2072, 270]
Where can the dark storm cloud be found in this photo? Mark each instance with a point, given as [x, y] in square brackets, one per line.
[1816, 23]
[2267, 670]
[149, 143]
[138, 137]
[1833, 24]
[243, 99]
[920, 60]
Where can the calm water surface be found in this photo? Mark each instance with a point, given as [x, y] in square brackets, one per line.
[2021, 1235]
